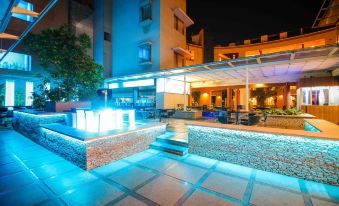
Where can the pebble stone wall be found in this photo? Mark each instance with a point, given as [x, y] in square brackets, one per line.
[85, 154]
[307, 158]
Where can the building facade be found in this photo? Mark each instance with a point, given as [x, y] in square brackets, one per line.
[19, 72]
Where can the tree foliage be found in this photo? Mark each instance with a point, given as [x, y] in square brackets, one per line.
[73, 73]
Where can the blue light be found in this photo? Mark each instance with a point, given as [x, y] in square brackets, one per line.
[17, 61]
[139, 83]
[113, 86]
[104, 120]
[25, 5]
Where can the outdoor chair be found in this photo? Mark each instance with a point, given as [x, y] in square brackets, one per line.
[225, 118]
[251, 119]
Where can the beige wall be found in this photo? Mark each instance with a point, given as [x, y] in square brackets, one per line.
[321, 38]
[169, 100]
[198, 52]
[169, 37]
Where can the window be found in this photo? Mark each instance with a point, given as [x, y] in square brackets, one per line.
[107, 36]
[17, 61]
[145, 53]
[9, 95]
[146, 12]
[25, 5]
[180, 60]
[172, 86]
[179, 25]
[113, 86]
[320, 95]
[29, 92]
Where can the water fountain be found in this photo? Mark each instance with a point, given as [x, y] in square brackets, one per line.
[103, 120]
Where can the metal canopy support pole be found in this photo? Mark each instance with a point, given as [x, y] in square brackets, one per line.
[247, 92]
[185, 93]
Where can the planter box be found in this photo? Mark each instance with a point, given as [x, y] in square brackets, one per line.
[188, 114]
[303, 157]
[287, 121]
[66, 106]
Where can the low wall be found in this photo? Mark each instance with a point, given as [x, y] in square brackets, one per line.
[287, 121]
[86, 150]
[114, 147]
[329, 113]
[302, 157]
[92, 153]
[27, 123]
[187, 114]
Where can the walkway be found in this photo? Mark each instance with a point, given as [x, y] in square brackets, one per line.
[32, 175]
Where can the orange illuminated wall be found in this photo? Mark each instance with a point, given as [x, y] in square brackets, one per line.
[315, 39]
[207, 92]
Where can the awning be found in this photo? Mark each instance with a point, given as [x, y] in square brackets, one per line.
[183, 17]
[223, 56]
[271, 68]
[182, 52]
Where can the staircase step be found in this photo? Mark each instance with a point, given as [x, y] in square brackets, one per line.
[170, 148]
[173, 141]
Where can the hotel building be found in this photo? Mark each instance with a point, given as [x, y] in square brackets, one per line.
[290, 69]
[149, 64]
[19, 72]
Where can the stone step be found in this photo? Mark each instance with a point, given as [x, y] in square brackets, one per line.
[173, 141]
[170, 148]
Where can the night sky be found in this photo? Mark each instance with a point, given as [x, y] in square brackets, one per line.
[236, 20]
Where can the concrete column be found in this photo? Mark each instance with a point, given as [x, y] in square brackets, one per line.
[287, 95]
[229, 98]
[185, 105]
[135, 95]
[298, 98]
[247, 92]
[98, 32]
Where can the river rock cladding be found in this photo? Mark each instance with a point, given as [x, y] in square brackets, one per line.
[307, 158]
[85, 154]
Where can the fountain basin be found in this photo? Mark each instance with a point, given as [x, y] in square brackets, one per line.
[87, 150]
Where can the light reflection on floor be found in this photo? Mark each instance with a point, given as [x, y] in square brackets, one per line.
[32, 175]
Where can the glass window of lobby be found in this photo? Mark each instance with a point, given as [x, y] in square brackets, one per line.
[145, 53]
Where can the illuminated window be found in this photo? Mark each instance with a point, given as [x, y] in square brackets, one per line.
[146, 12]
[334, 95]
[25, 5]
[145, 53]
[17, 61]
[9, 95]
[306, 93]
[172, 86]
[29, 93]
[113, 85]
[139, 83]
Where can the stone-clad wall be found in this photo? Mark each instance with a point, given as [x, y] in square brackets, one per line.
[71, 149]
[97, 152]
[307, 158]
[104, 150]
[287, 121]
[90, 153]
[29, 124]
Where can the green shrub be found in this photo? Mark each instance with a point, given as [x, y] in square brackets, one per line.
[277, 111]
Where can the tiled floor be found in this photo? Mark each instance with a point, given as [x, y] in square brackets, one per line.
[32, 175]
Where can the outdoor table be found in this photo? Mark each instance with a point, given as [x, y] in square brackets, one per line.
[237, 112]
